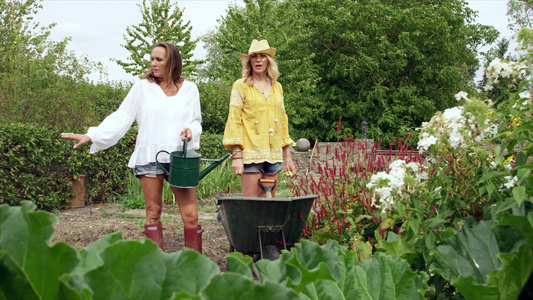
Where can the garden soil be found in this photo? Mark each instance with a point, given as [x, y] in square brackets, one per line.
[80, 227]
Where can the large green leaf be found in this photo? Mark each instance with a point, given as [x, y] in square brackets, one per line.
[239, 264]
[236, 286]
[331, 272]
[138, 270]
[522, 224]
[29, 267]
[310, 263]
[387, 277]
[115, 269]
[399, 248]
[471, 261]
[469, 253]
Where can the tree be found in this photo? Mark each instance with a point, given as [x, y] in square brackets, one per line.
[387, 62]
[276, 22]
[162, 22]
[40, 81]
[520, 14]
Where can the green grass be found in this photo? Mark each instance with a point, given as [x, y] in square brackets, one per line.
[127, 216]
[282, 190]
[207, 207]
[133, 198]
[219, 180]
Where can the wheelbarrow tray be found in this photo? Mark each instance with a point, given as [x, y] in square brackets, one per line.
[278, 221]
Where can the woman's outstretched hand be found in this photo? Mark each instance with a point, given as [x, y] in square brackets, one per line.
[81, 138]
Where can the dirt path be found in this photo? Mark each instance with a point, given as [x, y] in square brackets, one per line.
[82, 226]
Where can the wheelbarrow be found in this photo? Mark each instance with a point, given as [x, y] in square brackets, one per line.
[263, 226]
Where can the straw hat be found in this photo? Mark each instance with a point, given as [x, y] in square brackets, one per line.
[260, 47]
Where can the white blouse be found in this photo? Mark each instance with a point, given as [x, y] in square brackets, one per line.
[160, 118]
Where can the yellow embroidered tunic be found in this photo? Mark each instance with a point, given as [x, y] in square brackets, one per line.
[257, 123]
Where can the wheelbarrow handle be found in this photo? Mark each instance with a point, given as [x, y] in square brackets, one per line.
[262, 180]
[268, 189]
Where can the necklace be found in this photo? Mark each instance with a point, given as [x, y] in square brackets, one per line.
[263, 87]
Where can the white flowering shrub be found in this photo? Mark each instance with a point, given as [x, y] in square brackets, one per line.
[477, 171]
[390, 188]
[510, 72]
[458, 127]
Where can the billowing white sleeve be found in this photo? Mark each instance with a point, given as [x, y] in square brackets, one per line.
[196, 121]
[115, 126]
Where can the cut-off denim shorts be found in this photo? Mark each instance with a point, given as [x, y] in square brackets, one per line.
[151, 169]
[265, 168]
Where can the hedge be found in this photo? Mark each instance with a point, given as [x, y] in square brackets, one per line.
[36, 164]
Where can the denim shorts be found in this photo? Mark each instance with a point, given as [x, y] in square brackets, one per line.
[265, 168]
[151, 169]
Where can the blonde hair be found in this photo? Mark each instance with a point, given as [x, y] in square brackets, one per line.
[272, 71]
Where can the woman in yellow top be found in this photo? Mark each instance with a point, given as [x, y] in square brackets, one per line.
[257, 127]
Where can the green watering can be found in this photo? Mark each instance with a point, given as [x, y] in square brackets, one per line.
[185, 167]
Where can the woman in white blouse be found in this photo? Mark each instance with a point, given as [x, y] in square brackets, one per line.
[167, 110]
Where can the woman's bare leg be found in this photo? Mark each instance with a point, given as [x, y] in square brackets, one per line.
[250, 184]
[187, 203]
[152, 189]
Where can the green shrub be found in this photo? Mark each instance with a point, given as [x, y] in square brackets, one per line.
[107, 169]
[37, 165]
[32, 166]
[214, 98]
[133, 195]
[211, 146]
[105, 99]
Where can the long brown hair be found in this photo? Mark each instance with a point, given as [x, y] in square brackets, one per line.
[173, 68]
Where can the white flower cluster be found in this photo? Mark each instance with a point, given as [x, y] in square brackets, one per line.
[456, 121]
[499, 69]
[426, 140]
[507, 165]
[491, 130]
[452, 121]
[461, 95]
[387, 185]
[511, 181]
[455, 127]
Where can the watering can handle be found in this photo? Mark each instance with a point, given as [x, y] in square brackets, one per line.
[166, 171]
[185, 147]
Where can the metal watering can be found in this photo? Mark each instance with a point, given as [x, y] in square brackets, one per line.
[185, 167]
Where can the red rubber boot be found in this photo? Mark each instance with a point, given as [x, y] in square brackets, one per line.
[193, 238]
[155, 233]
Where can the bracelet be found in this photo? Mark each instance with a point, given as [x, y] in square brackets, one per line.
[237, 157]
[236, 150]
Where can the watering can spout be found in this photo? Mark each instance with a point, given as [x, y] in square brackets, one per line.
[212, 166]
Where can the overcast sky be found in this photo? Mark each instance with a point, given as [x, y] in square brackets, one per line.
[97, 27]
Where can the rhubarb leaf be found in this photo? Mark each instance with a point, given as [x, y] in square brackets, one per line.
[29, 267]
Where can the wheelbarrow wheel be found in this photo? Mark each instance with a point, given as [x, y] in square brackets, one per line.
[271, 252]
